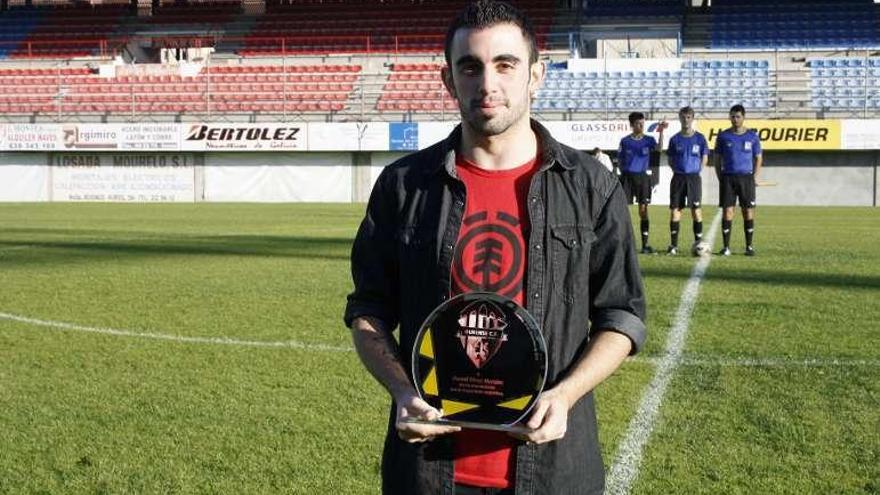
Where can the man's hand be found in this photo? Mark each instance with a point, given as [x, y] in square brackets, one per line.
[662, 125]
[549, 419]
[410, 406]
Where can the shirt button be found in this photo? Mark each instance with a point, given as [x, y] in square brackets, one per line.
[534, 199]
[537, 295]
[538, 247]
[459, 203]
[449, 247]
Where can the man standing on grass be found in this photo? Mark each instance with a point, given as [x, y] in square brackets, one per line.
[738, 162]
[499, 172]
[634, 161]
[688, 153]
[603, 158]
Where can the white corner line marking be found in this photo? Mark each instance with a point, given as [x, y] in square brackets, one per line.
[60, 325]
[625, 468]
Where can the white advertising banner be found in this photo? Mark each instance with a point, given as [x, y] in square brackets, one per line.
[24, 177]
[126, 177]
[244, 137]
[432, 132]
[149, 137]
[860, 134]
[30, 137]
[347, 136]
[89, 137]
[360, 136]
[278, 177]
[604, 134]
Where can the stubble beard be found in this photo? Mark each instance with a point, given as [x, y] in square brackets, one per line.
[497, 124]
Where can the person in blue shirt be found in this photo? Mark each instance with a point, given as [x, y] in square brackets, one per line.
[634, 163]
[738, 162]
[688, 153]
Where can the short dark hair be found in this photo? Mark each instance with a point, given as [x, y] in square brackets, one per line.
[738, 108]
[686, 111]
[633, 117]
[487, 13]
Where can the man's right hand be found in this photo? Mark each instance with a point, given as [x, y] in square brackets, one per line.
[411, 406]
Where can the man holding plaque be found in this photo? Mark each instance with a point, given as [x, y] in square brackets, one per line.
[499, 207]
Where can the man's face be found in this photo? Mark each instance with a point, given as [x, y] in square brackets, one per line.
[638, 126]
[737, 119]
[491, 77]
[686, 119]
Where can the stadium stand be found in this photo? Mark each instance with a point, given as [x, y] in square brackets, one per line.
[344, 60]
[385, 27]
[845, 83]
[415, 88]
[77, 30]
[794, 24]
[232, 89]
[703, 84]
[212, 12]
[284, 28]
[655, 10]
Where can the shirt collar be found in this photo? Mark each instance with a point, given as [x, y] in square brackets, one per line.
[551, 151]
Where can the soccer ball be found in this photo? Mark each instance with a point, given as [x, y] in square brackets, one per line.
[700, 248]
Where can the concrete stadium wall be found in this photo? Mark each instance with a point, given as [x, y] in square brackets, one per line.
[835, 178]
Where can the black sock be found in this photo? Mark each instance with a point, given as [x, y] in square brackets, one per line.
[698, 230]
[750, 231]
[673, 233]
[725, 231]
[645, 226]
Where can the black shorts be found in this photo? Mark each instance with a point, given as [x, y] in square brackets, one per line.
[737, 186]
[685, 189]
[636, 186]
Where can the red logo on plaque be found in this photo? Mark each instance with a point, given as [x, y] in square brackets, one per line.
[481, 331]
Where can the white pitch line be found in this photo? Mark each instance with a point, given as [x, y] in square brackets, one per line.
[15, 247]
[704, 360]
[626, 465]
[764, 362]
[60, 325]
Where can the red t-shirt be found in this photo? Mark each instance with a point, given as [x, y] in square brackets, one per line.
[491, 256]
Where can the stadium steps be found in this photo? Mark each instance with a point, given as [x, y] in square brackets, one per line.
[697, 29]
[235, 33]
[565, 21]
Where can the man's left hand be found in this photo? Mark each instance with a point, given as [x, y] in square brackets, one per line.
[549, 419]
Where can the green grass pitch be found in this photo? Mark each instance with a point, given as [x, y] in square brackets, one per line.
[778, 390]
